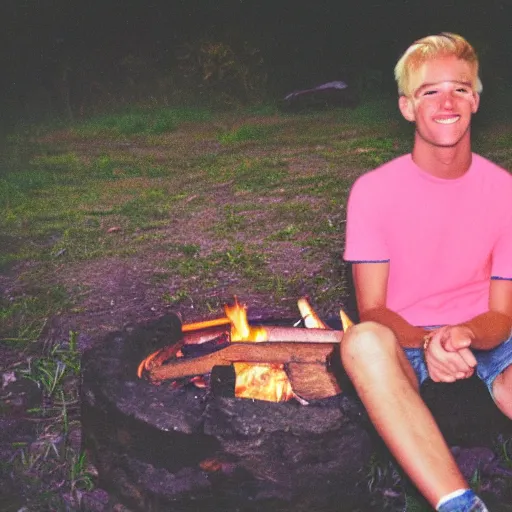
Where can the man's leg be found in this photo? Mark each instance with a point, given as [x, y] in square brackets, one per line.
[388, 388]
[502, 391]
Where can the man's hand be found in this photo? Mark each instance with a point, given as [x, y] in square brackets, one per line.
[448, 356]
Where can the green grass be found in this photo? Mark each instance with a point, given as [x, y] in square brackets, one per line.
[56, 371]
[141, 122]
[248, 132]
[23, 317]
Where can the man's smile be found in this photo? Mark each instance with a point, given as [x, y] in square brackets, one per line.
[447, 120]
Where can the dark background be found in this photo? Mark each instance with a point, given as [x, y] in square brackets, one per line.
[74, 57]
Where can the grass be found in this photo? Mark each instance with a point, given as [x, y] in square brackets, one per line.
[206, 204]
[24, 317]
[248, 132]
[54, 455]
[141, 122]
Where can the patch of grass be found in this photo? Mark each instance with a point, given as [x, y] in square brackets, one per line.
[286, 233]
[374, 151]
[189, 250]
[256, 175]
[81, 243]
[23, 318]
[149, 206]
[108, 168]
[248, 174]
[51, 370]
[370, 112]
[176, 298]
[293, 209]
[56, 371]
[278, 287]
[233, 222]
[248, 132]
[160, 277]
[239, 259]
[262, 109]
[56, 162]
[141, 122]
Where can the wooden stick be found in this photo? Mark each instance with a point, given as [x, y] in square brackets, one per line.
[302, 335]
[247, 353]
[205, 324]
[197, 337]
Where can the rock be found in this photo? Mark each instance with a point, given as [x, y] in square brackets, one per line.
[158, 448]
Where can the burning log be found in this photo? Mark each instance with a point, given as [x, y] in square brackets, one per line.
[198, 337]
[271, 352]
[309, 316]
[298, 335]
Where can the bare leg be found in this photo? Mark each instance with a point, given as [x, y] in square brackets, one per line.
[502, 390]
[387, 386]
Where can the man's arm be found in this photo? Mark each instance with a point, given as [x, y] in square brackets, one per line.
[371, 282]
[489, 329]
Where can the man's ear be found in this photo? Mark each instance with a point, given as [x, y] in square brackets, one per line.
[405, 106]
[476, 98]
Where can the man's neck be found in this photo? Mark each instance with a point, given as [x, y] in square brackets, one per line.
[442, 162]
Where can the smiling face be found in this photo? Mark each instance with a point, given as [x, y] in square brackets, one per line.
[441, 103]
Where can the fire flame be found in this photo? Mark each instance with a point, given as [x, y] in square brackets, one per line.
[346, 322]
[258, 381]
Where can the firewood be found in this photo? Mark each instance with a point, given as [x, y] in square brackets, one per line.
[300, 335]
[205, 324]
[272, 352]
[312, 381]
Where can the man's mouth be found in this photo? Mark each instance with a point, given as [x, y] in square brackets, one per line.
[447, 120]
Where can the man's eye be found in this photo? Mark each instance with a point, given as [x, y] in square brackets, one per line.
[463, 90]
[429, 92]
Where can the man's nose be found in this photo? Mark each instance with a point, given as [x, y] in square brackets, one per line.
[447, 100]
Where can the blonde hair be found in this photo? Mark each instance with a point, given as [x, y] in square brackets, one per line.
[430, 47]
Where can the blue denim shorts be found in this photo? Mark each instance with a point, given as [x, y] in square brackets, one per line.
[490, 363]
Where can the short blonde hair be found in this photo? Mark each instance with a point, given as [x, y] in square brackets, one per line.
[430, 47]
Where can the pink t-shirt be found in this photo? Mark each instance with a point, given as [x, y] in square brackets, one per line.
[444, 239]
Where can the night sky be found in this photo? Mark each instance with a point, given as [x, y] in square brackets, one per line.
[50, 48]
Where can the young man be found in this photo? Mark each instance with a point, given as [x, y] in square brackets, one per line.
[430, 238]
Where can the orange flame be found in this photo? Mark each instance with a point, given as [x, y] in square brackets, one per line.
[346, 322]
[258, 381]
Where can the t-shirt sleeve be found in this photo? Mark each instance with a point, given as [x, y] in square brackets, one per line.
[365, 236]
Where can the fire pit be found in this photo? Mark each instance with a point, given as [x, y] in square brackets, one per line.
[159, 448]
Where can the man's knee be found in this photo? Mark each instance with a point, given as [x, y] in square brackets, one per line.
[366, 341]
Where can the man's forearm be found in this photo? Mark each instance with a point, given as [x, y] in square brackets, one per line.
[490, 329]
[408, 335]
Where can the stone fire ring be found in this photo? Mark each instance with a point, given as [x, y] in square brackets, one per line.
[157, 448]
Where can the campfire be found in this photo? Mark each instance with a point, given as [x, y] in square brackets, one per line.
[271, 363]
